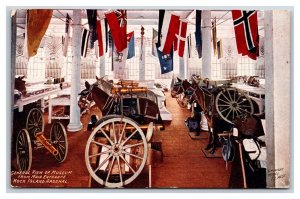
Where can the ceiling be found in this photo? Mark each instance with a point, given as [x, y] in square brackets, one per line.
[144, 17]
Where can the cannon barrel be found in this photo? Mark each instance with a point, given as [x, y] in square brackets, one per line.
[116, 90]
[42, 139]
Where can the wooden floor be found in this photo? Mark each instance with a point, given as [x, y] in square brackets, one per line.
[184, 164]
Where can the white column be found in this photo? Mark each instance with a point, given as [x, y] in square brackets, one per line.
[277, 70]
[142, 63]
[102, 65]
[75, 124]
[206, 44]
[181, 68]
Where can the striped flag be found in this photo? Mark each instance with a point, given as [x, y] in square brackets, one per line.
[101, 35]
[214, 34]
[84, 41]
[198, 34]
[182, 38]
[154, 41]
[219, 49]
[92, 21]
[170, 28]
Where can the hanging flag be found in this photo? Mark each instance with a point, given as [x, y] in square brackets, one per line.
[67, 35]
[37, 22]
[198, 34]
[84, 41]
[214, 34]
[182, 38]
[246, 32]
[165, 61]
[219, 49]
[189, 40]
[118, 28]
[160, 23]
[142, 43]
[101, 35]
[130, 39]
[92, 21]
[106, 35]
[170, 28]
[154, 41]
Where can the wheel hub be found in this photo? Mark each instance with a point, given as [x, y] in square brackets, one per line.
[116, 150]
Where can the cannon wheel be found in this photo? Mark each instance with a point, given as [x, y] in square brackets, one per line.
[117, 141]
[35, 121]
[58, 137]
[231, 104]
[23, 151]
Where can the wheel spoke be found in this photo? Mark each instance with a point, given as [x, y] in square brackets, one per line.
[229, 94]
[110, 168]
[234, 95]
[124, 152]
[133, 145]
[122, 133]
[129, 137]
[61, 147]
[120, 171]
[224, 101]
[101, 144]
[224, 105]
[127, 164]
[223, 94]
[225, 109]
[228, 113]
[106, 136]
[102, 163]
[114, 131]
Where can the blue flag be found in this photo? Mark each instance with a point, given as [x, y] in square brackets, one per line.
[166, 61]
[198, 33]
[131, 52]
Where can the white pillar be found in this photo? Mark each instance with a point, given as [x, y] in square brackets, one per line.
[142, 63]
[102, 66]
[181, 68]
[75, 124]
[277, 70]
[206, 44]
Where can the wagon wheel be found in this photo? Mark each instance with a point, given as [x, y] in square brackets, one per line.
[58, 137]
[23, 151]
[116, 151]
[35, 121]
[231, 104]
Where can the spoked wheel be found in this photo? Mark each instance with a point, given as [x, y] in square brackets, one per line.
[116, 151]
[59, 140]
[231, 104]
[35, 122]
[23, 151]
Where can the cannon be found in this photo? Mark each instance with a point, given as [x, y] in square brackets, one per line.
[32, 137]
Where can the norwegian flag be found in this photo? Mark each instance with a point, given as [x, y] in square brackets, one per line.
[117, 22]
[246, 32]
[182, 37]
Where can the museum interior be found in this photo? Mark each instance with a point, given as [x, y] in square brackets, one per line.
[150, 98]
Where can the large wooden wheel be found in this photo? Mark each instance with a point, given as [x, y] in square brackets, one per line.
[35, 122]
[59, 140]
[23, 151]
[231, 104]
[116, 151]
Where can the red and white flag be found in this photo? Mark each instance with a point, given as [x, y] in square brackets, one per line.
[100, 27]
[170, 28]
[246, 32]
[182, 37]
[118, 29]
